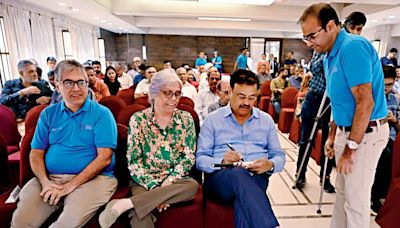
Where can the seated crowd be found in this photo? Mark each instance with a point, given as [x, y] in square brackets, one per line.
[163, 146]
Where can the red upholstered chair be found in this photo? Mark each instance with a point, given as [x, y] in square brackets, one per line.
[194, 116]
[186, 101]
[389, 214]
[114, 103]
[125, 114]
[127, 95]
[4, 181]
[317, 147]
[143, 101]
[9, 128]
[265, 98]
[272, 113]
[288, 104]
[295, 131]
[218, 215]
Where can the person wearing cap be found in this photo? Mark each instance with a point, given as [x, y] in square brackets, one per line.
[134, 71]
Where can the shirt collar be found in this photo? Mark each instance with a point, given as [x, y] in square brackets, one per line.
[338, 43]
[85, 107]
[175, 119]
[255, 113]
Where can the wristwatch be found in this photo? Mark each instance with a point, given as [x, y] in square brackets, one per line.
[353, 145]
[171, 179]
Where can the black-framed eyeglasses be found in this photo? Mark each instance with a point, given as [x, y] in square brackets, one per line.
[389, 84]
[311, 37]
[227, 93]
[68, 84]
[170, 94]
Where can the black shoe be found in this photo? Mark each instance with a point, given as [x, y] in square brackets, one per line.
[328, 187]
[375, 207]
[300, 182]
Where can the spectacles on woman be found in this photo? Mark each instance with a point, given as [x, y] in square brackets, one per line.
[170, 94]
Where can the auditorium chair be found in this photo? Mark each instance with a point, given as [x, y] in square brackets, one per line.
[194, 116]
[272, 112]
[125, 114]
[295, 131]
[217, 215]
[288, 104]
[143, 101]
[186, 101]
[127, 95]
[389, 214]
[4, 181]
[317, 147]
[114, 103]
[9, 129]
[265, 96]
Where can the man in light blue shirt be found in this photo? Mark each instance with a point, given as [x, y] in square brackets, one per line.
[241, 132]
[359, 131]
[72, 156]
[241, 61]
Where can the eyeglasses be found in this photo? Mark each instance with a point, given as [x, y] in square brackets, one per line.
[389, 84]
[250, 98]
[226, 92]
[311, 37]
[68, 84]
[170, 94]
[214, 79]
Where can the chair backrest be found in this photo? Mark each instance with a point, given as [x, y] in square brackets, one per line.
[25, 171]
[194, 116]
[142, 101]
[266, 89]
[4, 181]
[125, 114]
[289, 98]
[121, 167]
[32, 117]
[9, 126]
[186, 101]
[127, 95]
[114, 103]
[396, 157]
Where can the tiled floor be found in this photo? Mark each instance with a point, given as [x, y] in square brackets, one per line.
[299, 209]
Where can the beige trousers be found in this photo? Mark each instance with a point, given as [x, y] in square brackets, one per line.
[353, 191]
[145, 202]
[78, 207]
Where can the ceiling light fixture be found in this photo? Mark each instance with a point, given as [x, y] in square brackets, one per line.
[224, 19]
[104, 21]
[61, 4]
[96, 18]
[109, 23]
[374, 20]
[75, 9]
[392, 17]
[245, 2]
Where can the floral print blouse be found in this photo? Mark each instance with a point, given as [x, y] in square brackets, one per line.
[155, 154]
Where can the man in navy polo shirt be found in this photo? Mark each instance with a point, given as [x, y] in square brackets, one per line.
[72, 156]
[359, 130]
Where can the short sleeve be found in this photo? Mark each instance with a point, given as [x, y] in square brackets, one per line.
[357, 63]
[42, 132]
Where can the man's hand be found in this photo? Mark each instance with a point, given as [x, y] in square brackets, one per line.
[43, 100]
[166, 182]
[231, 157]
[329, 148]
[162, 207]
[53, 195]
[260, 166]
[31, 90]
[391, 118]
[345, 162]
[48, 189]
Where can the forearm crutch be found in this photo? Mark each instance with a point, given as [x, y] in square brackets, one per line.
[321, 193]
[317, 118]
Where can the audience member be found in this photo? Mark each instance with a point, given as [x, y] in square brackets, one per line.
[390, 59]
[263, 74]
[135, 67]
[139, 77]
[265, 62]
[396, 85]
[111, 80]
[296, 79]
[161, 147]
[51, 63]
[224, 92]
[97, 68]
[200, 60]
[24, 93]
[278, 85]
[207, 96]
[240, 132]
[99, 88]
[142, 89]
[241, 60]
[50, 76]
[71, 157]
[188, 90]
[355, 22]
[167, 64]
[216, 60]
[289, 59]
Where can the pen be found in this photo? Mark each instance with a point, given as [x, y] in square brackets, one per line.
[231, 147]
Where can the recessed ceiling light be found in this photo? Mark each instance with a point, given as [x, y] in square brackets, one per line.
[75, 9]
[125, 30]
[120, 28]
[224, 19]
[374, 20]
[62, 4]
[96, 18]
[247, 2]
[392, 16]
[104, 21]
[109, 23]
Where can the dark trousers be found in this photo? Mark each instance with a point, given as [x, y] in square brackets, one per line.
[248, 194]
[383, 174]
[309, 111]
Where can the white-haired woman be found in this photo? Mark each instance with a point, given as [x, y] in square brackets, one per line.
[161, 152]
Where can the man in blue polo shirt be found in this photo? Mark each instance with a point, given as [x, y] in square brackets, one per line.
[359, 130]
[72, 156]
[241, 61]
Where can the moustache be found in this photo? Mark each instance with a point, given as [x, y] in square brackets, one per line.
[244, 106]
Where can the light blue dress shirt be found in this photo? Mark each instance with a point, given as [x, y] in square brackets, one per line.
[255, 139]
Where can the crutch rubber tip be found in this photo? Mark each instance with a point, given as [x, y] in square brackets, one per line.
[319, 211]
[293, 187]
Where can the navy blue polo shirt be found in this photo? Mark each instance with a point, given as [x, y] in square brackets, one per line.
[351, 62]
[71, 139]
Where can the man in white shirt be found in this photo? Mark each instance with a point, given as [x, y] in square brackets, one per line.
[135, 70]
[125, 80]
[208, 96]
[188, 90]
[142, 89]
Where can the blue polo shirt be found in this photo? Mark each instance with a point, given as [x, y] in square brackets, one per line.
[71, 139]
[200, 62]
[241, 62]
[352, 62]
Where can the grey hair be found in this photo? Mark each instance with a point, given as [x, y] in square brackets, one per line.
[24, 63]
[159, 80]
[67, 66]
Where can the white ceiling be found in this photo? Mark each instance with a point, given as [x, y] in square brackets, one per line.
[181, 16]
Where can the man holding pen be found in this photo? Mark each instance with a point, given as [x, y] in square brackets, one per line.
[251, 136]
